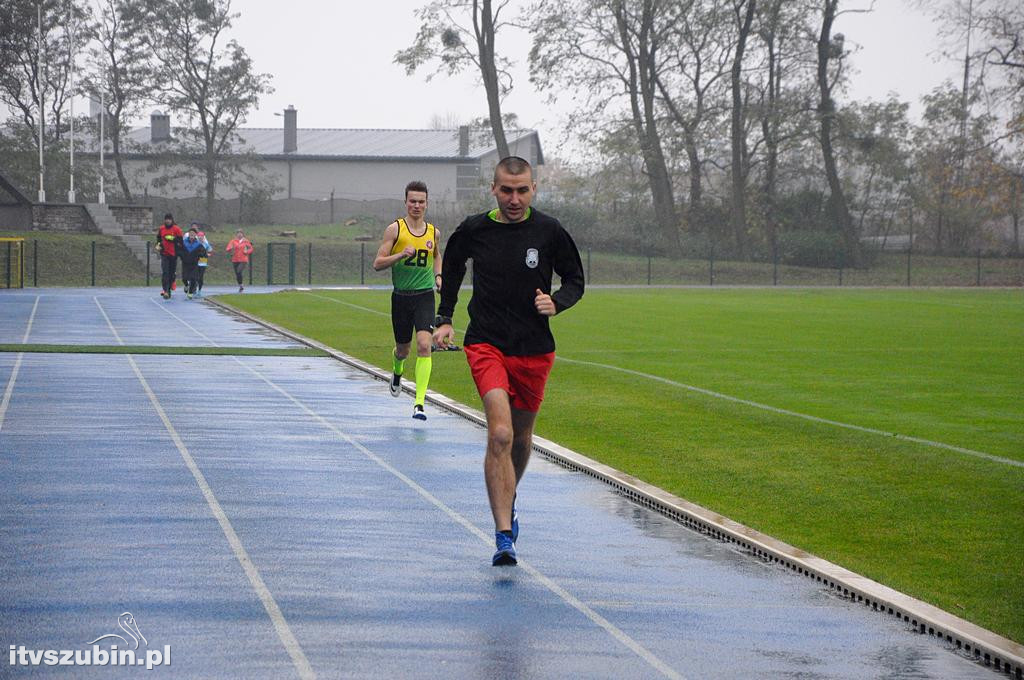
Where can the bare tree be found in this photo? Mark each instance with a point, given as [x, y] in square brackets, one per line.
[445, 37]
[785, 88]
[830, 54]
[120, 69]
[743, 11]
[691, 86]
[608, 51]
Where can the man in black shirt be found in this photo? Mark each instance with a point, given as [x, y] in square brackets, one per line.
[508, 342]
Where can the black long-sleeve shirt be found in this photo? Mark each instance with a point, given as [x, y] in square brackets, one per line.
[510, 262]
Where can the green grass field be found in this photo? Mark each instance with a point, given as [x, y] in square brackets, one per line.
[942, 365]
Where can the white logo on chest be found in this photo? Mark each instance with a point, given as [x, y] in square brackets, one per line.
[532, 258]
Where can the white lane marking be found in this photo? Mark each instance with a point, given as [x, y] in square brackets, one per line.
[342, 302]
[794, 414]
[17, 367]
[365, 309]
[566, 596]
[113, 330]
[186, 323]
[284, 631]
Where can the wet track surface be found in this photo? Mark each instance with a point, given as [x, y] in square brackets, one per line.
[367, 531]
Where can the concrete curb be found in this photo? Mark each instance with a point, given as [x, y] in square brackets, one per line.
[1002, 654]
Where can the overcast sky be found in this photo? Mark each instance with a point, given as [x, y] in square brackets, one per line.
[334, 61]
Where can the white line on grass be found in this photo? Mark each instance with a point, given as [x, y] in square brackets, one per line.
[566, 596]
[17, 367]
[786, 412]
[766, 407]
[342, 302]
[284, 632]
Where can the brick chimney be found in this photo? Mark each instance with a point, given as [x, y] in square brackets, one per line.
[291, 132]
[159, 126]
[463, 140]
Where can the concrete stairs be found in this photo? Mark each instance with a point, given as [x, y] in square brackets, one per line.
[107, 224]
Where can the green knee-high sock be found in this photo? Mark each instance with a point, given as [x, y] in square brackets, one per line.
[397, 365]
[423, 365]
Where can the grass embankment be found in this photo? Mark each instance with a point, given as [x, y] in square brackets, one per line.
[340, 254]
[945, 365]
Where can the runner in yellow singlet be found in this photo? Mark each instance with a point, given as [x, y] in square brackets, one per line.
[411, 248]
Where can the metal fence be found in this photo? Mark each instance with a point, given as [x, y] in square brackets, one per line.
[99, 262]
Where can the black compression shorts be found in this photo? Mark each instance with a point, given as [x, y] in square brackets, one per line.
[411, 310]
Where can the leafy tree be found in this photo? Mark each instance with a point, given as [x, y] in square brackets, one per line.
[461, 33]
[209, 80]
[873, 141]
[957, 194]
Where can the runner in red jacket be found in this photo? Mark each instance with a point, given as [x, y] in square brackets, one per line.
[168, 240]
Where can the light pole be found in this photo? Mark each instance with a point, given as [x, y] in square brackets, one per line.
[71, 72]
[102, 198]
[42, 110]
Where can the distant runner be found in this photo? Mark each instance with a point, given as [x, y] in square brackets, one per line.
[411, 248]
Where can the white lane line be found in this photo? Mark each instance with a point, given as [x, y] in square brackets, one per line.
[349, 304]
[284, 631]
[794, 414]
[17, 367]
[342, 302]
[566, 596]
[113, 330]
[186, 323]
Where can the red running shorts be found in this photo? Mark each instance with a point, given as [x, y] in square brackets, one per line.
[523, 378]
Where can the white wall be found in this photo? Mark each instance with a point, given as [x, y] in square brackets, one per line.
[357, 180]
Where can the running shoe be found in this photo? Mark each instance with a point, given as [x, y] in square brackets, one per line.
[165, 295]
[241, 288]
[417, 412]
[505, 556]
[396, 384]
[515, 521]
[199, 293]
[188, 296]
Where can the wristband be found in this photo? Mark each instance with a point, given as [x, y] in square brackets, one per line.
[442, 321]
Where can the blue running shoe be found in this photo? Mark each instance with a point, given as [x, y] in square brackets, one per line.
[515, 521]
[505, 556]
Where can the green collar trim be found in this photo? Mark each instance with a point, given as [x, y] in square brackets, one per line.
[494, 214]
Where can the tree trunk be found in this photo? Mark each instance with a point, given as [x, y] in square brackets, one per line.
[642, 68]
[115, 140]
[837, 200]
[738, 136]
[770, 130]
[1015, 191]
[483, 25]
[696, 190]
[689, 144]
[211, 187]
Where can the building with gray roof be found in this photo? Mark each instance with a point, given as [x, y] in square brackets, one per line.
[314, 164]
